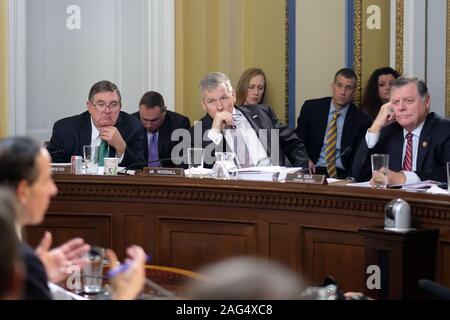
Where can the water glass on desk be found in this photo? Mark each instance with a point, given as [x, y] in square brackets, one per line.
[195, 161]
[93, 271]
[90, 157]
[380, 168]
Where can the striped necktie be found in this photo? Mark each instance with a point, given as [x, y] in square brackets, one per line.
[330, 145]
[407, 161]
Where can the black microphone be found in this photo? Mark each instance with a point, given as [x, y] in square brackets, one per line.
[343, 153]
[435, 289]
[53, 148]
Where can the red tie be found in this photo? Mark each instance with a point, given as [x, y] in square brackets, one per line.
[407, 161]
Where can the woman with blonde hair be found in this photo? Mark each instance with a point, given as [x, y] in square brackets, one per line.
[251, 88]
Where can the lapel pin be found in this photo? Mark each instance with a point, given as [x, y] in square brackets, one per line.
[255, 116]
[424, 144]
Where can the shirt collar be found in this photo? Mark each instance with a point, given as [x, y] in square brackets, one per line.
[95, 132]
[416, 132]
[342, 111]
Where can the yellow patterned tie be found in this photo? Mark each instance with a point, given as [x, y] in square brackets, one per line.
[330, 145]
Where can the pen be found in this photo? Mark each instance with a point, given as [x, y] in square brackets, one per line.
[124, 267]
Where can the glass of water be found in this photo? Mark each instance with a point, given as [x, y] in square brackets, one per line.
[380, 168]
[90, 157]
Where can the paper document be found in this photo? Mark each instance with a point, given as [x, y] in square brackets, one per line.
[365, 184]
[270, 173]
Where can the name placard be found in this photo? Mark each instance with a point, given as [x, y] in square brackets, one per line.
[163, 172]
[306, 178]
[60, 169]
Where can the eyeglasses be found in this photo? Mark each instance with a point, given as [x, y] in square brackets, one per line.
[101, 106]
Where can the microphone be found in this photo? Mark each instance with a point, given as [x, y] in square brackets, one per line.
[435, 289]
[343, 153]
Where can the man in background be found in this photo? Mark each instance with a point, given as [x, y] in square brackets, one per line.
[329, 126]
[117, 133]
[159, 123]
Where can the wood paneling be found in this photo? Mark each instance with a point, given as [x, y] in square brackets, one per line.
[94, 229]
[188, 223]
[336, 254]
[191, 244]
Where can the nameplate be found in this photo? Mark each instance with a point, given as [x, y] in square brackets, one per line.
[306, 178]
[60, 169]
[163, 172]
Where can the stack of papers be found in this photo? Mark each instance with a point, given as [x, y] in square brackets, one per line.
[270, 173]
[428, 186]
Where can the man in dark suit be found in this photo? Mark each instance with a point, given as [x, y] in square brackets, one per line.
[160, 123]
[25, 168]
[104, 125]
[316, 120]
[417, 141]
[253, 131]
[12, 271]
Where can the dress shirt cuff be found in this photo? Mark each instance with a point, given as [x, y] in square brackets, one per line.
[215, 136]
[123, 156]
[411, 177]
[372, 139]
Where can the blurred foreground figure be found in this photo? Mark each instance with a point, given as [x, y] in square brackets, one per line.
[246, 278]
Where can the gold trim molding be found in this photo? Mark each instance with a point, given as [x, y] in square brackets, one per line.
[399, 27]
[447, 66]
[357, 48]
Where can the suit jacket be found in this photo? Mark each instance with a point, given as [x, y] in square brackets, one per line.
[72, 133]
[171, 122]
[259, 117]
[36, 287]
[433, 152]
[312, 126]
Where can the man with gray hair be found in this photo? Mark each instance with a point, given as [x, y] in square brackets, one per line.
[418, 141]
[253, 133]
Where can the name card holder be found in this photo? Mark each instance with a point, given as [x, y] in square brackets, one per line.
[60, 169]
[163, 172]
[306, 178]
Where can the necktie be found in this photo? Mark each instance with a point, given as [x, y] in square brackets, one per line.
[241, 149]
[407, 161]
[153, 152]
[103, 153]
[330, 145]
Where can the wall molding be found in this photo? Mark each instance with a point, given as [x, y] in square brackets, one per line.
[161, 57]
[17, 66]
[399, 34]
[357, 48]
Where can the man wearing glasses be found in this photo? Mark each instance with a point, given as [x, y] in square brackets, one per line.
[159, 123]
[418, 141]
[103, 124]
